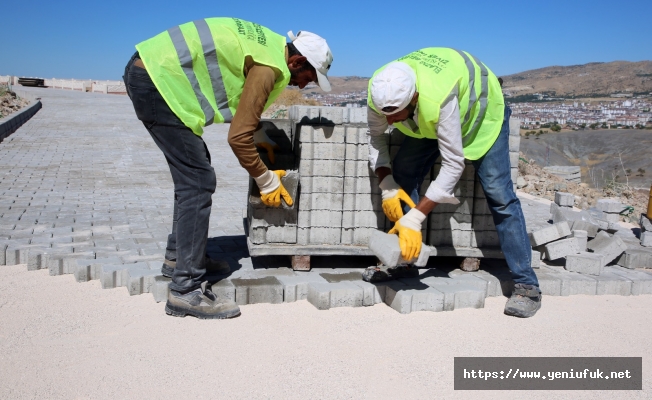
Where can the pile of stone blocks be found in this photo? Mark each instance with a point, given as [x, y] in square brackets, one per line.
[587, 241]
[569, 173]
[339, 201]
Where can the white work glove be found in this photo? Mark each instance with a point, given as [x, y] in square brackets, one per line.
[392, 197]
[262, 140]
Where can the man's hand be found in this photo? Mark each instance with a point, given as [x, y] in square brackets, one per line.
[272, 190]
[392, 197]
[408, 229]
[261, 140]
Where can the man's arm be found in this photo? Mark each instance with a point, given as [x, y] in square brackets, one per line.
[258, 85]
[379, 159]
[449, 135]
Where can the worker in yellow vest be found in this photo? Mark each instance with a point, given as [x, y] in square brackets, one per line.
[448, 103]
[214, 70]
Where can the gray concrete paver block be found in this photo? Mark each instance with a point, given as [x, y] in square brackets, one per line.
[582, 238]
[645, 223]
[564, 199]
[295, 287]
[646, 239]
[140, 280]
[573, 283]
[585, 263]
[89, 269]
[549, 234]
[258, 290]
[113, 276]
[160, 288]
[610, 247]
[224, 289]
[458, 294]
[641, 281]
[561, 248]
[636, 258]
[609, 206]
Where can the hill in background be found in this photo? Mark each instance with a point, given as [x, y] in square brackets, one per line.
[590, 80]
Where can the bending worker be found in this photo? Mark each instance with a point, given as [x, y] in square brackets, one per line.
[214, 70]
[448, 103]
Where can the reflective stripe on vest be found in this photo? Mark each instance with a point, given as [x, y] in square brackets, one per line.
[443, 72]
[208, 45]
[484, 92]
[199, 67]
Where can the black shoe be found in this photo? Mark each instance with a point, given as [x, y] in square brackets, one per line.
[201, 303]
[525, 301]
[213, 267]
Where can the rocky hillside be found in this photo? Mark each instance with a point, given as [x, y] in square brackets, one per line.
[10, 102]
[534, 180]
[591, 79]
[583, 80]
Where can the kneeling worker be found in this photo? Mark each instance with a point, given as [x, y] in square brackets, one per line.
[448, 103]
[214, 70]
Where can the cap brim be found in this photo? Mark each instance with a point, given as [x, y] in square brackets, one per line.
[324, 84]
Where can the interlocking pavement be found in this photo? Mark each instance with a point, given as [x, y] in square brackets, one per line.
[85, 191]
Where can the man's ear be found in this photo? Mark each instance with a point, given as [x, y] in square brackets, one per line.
[297, 61]
[415, 98]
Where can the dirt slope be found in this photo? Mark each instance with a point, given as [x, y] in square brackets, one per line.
[598, 150]
[588, 79]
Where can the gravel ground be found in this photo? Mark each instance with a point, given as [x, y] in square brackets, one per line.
[62, 339]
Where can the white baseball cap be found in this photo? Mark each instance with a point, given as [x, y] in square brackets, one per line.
[394, 86]
[316, 50]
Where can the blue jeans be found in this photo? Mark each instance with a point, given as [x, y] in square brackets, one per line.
[416, 157]
[192, 174]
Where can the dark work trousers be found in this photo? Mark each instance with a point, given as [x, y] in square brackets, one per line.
[192, 174]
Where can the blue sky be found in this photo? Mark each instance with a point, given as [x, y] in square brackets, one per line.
[94, 40]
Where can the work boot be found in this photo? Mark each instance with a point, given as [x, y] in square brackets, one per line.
[525, 301]
[201, 303]
[213, 267]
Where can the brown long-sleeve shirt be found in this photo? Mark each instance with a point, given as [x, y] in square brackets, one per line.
[259, 83]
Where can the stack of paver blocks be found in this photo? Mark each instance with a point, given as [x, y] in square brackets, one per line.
[339, 201]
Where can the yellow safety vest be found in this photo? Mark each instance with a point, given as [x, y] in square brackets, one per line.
[441, 72]
[198, 67]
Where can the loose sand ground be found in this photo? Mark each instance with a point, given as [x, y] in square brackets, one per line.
[63, 339]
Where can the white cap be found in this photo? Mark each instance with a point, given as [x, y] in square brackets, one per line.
[316, 50]
[394, 86]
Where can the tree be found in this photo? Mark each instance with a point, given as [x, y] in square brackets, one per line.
[555, 128]
[640, 171]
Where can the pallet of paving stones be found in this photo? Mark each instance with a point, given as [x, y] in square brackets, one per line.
[339, 203]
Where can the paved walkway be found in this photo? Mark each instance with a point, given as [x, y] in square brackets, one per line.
[85, 191]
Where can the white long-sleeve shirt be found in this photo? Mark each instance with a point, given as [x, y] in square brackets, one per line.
[449, 135]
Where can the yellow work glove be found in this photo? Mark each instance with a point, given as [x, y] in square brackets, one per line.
[392, 197]
[261, 140]
[271, 189]
[408, 229]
